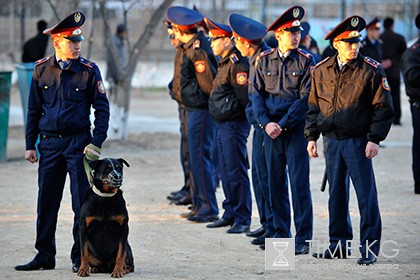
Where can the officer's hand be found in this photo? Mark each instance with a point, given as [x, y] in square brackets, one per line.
[312, 149]
[372, 150]
[92, 152]
[273, 130]
[30, 155]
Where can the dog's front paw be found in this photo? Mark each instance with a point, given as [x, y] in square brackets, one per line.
[83, 271]
[118, 272]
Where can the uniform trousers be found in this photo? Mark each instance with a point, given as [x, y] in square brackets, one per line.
[233, 167]
[201, 135]
[348, 157]
[59, 156]
[289, 151]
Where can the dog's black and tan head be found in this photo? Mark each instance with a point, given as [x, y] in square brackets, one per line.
[108, 174]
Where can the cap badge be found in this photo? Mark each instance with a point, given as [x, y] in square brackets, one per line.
[77, 32]
[354, 21]
[296, 12]
[77, 17]
[354, 34]
[296, 23]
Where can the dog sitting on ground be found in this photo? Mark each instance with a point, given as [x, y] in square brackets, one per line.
[103, 225]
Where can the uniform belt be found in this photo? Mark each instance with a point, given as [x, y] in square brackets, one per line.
[46, 135]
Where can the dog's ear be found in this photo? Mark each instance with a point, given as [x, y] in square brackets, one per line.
[123, 161]
[93, 163]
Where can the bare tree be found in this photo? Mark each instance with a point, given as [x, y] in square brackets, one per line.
[120, 98]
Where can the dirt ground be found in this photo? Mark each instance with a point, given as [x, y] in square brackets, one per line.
[166, 246]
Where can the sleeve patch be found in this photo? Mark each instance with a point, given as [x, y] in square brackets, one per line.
[200, 66]
[385, 84]
[241, 78]
[101, 87]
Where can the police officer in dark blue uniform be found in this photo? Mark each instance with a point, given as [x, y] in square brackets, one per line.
[64, 88]
[351, 105]
[248, 35]
[372, 44]
[198, 68]
[227, 103]
[281, 87]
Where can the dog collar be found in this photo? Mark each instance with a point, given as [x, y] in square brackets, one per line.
[101, 194]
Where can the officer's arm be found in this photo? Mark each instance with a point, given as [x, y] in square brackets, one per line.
[205, 76]
[411, 68]
[382, 111]
[101, 105]
[239, 82]
[34, 112]
[297, 112]
[311, 128]
[258, 96]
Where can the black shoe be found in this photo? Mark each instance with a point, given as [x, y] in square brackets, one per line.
[220, 223]
[262, 246]
[330, 254]
[36, 265]
[238, 228]
[203, 218]
[178, 196]
[301, 249]
[371, 259]
[256, 233]
[261, 240]
[75, 266]
[185, 200]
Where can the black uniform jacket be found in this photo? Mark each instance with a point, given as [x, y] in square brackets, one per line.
[355, 102]
[197, 72]
[229, 96]
[410, 66]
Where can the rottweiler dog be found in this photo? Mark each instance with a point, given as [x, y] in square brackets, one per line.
[103, 224]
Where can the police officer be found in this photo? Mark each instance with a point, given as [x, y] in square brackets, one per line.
[183, 196]
[248, 35]
[197, 68]
[227, 103]
[350, 104]
[372, 44]
[282, 84]
[306, 41]
[64, 87]
[394, 46]
[410, 66]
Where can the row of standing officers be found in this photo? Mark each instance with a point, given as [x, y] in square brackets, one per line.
[290, 102]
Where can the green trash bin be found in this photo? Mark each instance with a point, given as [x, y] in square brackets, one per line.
[5, 85]
[24, 71]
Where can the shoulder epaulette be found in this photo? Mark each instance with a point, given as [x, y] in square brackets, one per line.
[87, 63]
[371, 62]
[42, 60]
[196, 44]
[304, 53]
[233, 58]
[267, 52]
[322, 61]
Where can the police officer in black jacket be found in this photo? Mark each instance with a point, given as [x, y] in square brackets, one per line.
[197, 68]
[410, 66]
[64, 87]
[350, 104]
[227, 103]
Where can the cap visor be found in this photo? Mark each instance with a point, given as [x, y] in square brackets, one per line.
[294, 28]
[75, 38]
[352, 40]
